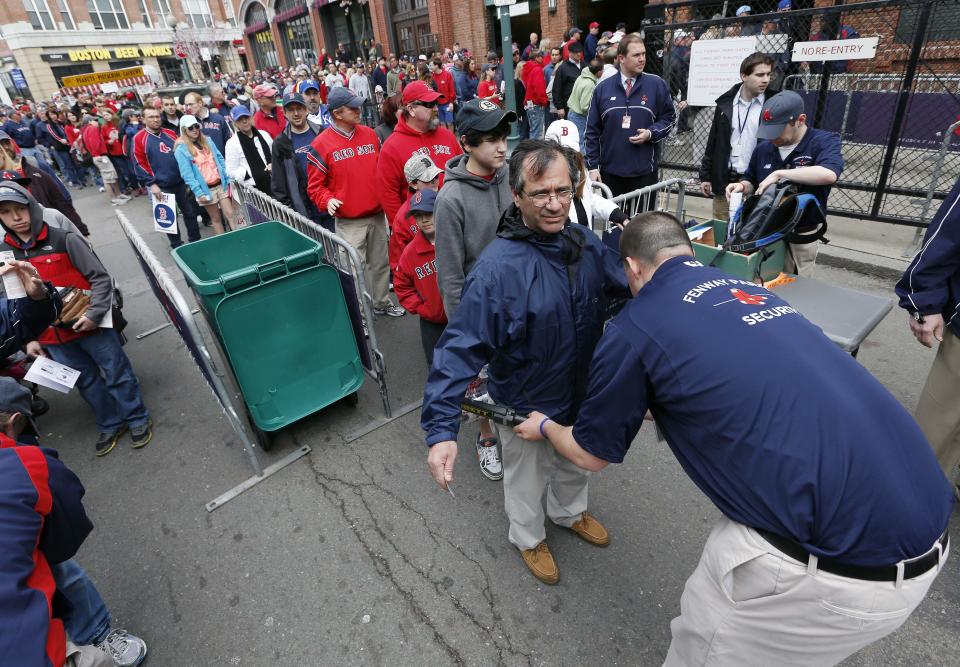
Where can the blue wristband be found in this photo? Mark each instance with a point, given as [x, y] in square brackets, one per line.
[544, 435]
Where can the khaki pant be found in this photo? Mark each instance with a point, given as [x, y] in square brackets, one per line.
[369, 237]
[747, 603]
[938, 411]
[801, 258]
[721, 207]
[87, 656]
[529, 470]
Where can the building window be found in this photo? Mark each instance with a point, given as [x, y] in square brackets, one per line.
[228, 12]
[161, 9]
[298, 40]
[65, 15]
[107, 15]
[198, 13]
[144, 14]
[419, 4]
[39, 14]
[943, 23]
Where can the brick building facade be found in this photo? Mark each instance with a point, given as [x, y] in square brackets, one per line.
[45, 40]
[413, 26]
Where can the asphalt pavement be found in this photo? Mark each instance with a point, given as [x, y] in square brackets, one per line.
[353, 556]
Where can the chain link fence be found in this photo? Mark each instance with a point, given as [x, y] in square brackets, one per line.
[897, 113]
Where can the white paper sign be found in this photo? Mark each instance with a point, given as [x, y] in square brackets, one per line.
[144, 89]
[836, 49]
[520, 9]
[165, 213]
[109, 87]
[12, 285]
[714, 67]
[48, 373]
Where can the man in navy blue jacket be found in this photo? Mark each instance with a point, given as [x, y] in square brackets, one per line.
[930, 291]
[156, 167]
[532, 307]
[629, 114]
[834, 509]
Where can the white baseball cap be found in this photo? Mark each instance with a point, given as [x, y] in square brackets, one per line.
[565, 133]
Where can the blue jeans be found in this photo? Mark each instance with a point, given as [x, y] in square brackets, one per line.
[535, 118]
[86, 617]
[34, 152]
[68, 170]
[106, 381]
[124, 171]
[93, 173]
[581, 123]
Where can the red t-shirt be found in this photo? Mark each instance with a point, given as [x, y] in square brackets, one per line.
[487, 90]
[111, 137]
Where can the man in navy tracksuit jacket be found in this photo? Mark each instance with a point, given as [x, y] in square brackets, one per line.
[930, 291]
[533, 307]
[623, 128]
[157, 169]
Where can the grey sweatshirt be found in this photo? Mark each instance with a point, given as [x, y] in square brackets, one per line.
[466, 214]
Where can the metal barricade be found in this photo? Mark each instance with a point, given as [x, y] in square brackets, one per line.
[175, 307]
[256, 207]
[659, 194]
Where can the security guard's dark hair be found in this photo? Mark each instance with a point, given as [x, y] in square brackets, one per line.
[750, 62]
[648, 234]
[541, 153]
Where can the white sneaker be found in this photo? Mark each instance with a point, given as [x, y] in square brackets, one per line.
[126, 650]
[124, 197]
[390, 311]
[117, 201]
[489, 455]
[102, 189]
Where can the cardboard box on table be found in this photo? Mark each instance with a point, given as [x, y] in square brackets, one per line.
[745, 267]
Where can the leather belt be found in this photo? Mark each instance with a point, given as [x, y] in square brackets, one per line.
[911, 567]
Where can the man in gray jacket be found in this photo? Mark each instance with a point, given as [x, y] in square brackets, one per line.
[475, 193]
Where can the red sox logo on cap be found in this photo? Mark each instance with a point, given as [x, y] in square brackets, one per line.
[767, 116]
[417, 198]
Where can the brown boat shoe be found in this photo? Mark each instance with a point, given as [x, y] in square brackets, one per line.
[591, 530]
[540, 562]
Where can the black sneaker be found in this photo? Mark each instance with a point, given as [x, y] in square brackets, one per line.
[106, 441]
[142, 435]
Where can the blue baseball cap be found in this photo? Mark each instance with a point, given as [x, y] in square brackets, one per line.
[342, 96]
[785, 4]
[306, 85]
[293, 98]
[239, 112]
[422, 201]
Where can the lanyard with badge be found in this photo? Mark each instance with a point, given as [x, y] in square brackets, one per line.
[736, 150]
[625, 121]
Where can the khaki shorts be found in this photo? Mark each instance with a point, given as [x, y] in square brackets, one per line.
[105, 167]
[217, 192]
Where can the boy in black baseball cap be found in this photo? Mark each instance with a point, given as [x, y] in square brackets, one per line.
[475, 193]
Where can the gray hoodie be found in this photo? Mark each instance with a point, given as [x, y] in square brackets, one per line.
[466, 214]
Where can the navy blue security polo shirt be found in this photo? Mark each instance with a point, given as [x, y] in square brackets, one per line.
[779, 427]
[818, 148]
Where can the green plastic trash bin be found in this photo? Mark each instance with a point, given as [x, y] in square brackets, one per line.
[281, 318]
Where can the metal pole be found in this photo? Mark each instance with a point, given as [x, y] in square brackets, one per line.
[832, 26]
[900, 114]
[934, 182]
[511, 101]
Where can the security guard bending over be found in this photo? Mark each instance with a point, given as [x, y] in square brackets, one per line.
[834, 508]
